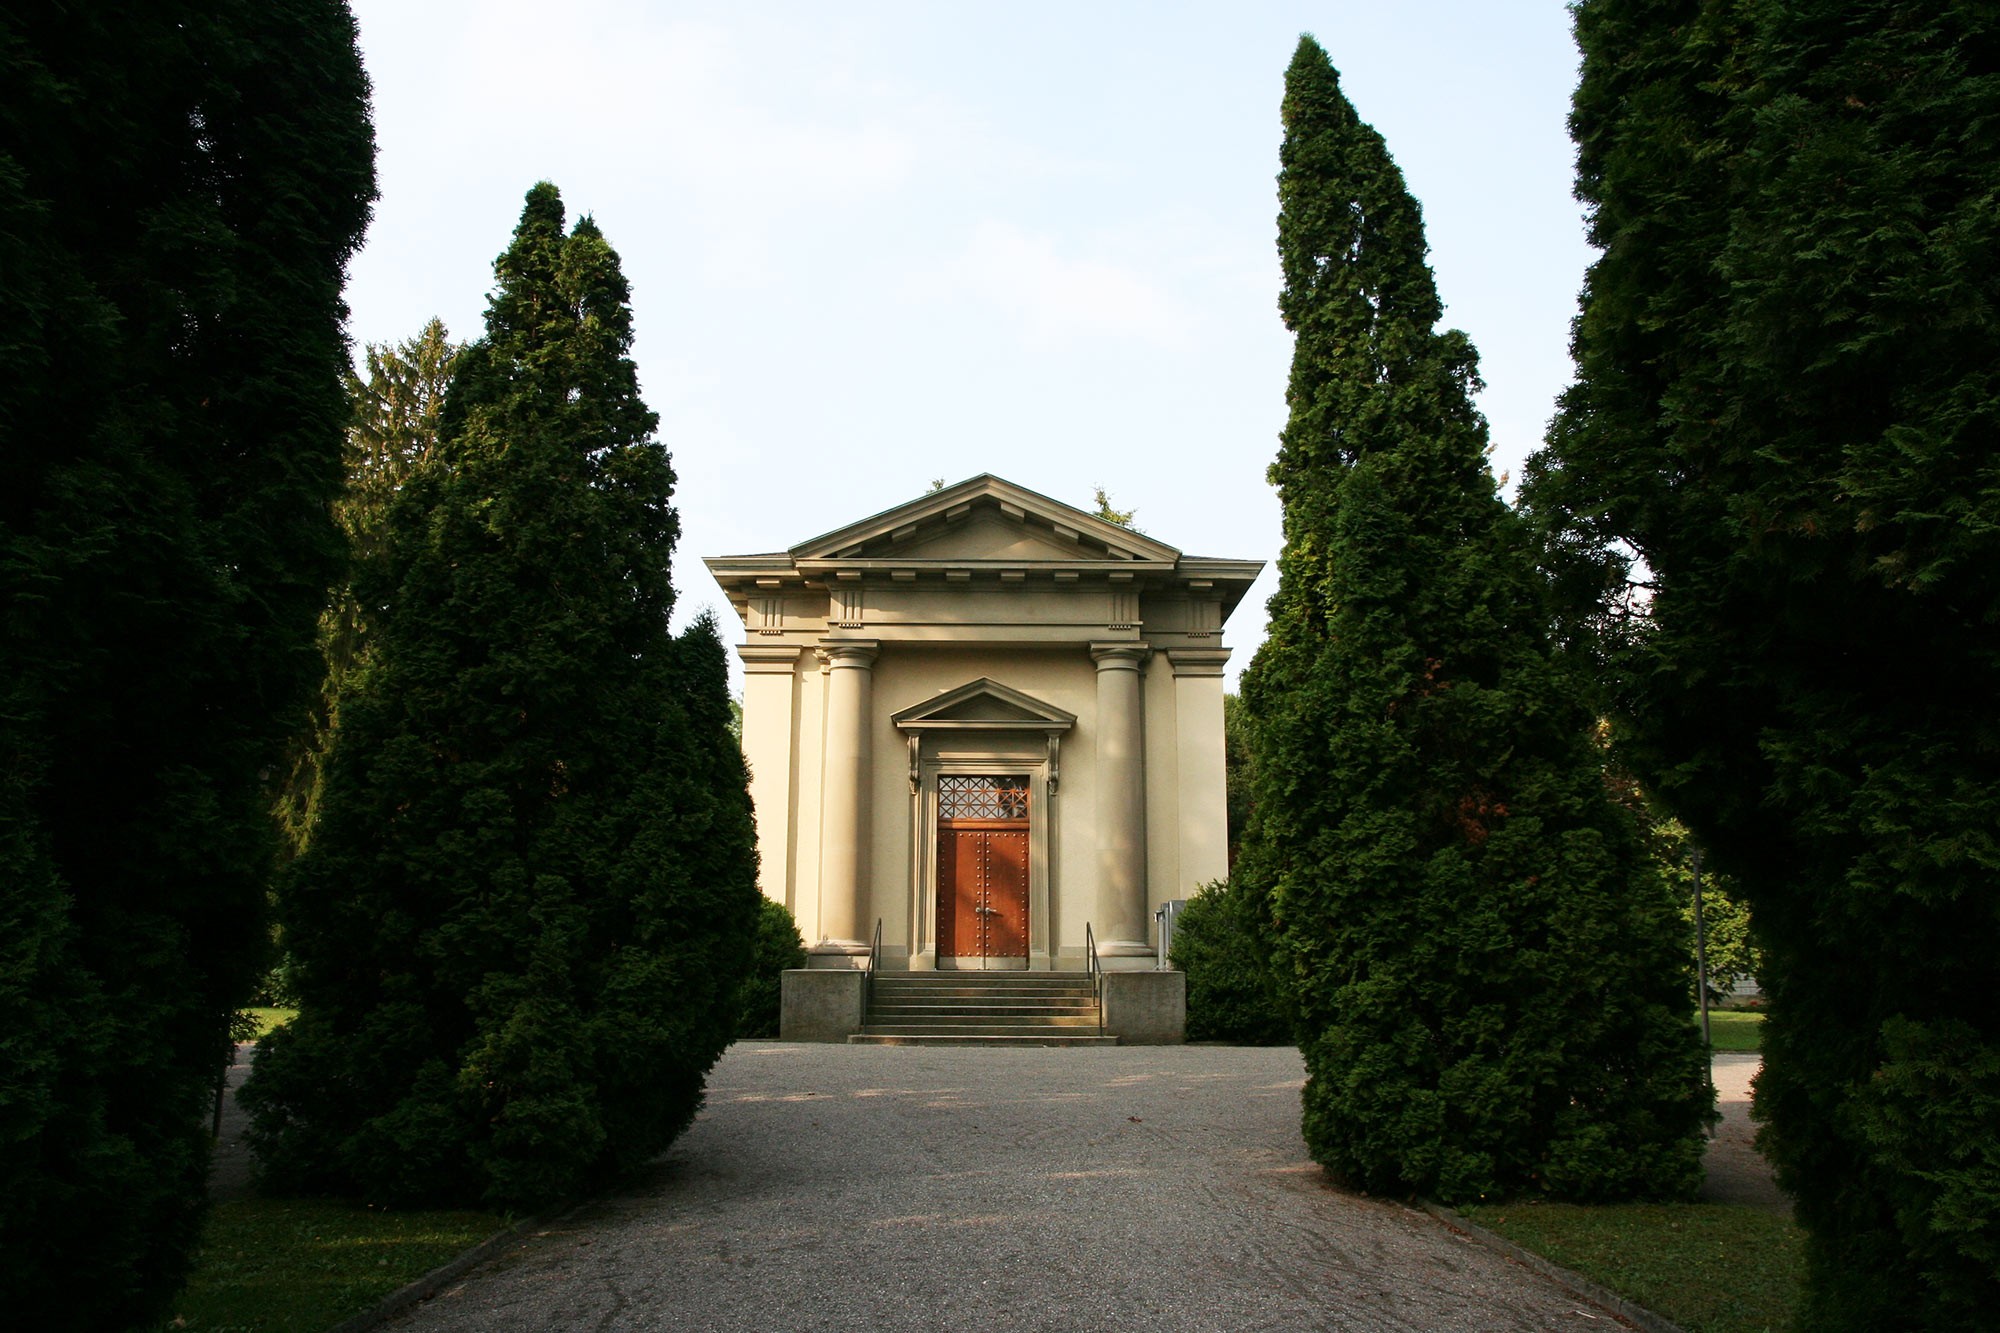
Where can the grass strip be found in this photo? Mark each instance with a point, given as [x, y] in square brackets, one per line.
[303, 1265]
[268, 1019]
[1735, 1030]
[1709, 1267]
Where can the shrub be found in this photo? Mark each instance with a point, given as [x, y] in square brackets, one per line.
[778, 946]
[1222, 942]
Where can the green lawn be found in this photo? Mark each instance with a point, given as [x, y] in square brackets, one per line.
[270, 1018]
[303, 1265]
[1735, 1029]
[1709, 1267]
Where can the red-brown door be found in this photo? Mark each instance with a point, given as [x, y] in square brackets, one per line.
[982, 867]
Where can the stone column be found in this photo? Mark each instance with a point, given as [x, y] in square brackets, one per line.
[843, 878]
[1122, 917]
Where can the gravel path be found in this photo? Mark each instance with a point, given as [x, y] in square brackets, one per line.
[229, 1169]
[1736, 1172]
[851, 1187]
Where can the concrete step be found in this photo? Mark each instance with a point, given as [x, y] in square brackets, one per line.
[982, 1009]
[943, 995]
[1063, 1005]
[1016, 1029]
[1049, 1038]
[975, 978]
[983, 1019]
[1023, 983]
[977, 1002]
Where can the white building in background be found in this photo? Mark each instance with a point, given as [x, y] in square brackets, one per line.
[984, 720]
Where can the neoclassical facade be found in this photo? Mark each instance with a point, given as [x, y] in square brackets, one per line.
[986, 721]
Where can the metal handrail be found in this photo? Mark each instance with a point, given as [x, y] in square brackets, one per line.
[1096, 973]
[874, 965]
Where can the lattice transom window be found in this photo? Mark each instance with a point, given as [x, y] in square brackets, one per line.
[982, 796]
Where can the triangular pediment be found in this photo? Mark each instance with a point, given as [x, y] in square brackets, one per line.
[984, 704]
[985, 519]
[984, 534]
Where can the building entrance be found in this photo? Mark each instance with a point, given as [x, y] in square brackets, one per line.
[982, 859]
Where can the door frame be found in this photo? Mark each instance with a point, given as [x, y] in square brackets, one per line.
[983, 726]
[1000, 756]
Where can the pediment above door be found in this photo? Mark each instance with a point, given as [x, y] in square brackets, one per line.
[983, 705]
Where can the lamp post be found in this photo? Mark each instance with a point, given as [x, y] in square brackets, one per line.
[1701, 982]
[1700, 948]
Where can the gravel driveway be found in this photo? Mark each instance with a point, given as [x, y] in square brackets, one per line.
[883, 1187]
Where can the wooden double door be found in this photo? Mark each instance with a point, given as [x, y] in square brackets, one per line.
[982, 859]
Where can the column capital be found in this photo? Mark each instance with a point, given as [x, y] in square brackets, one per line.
[761, 659]
[1120, 656]
[855, 653]
[1198, 661]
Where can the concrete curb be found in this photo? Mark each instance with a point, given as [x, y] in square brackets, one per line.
[427, 1286]
[1576, 1282]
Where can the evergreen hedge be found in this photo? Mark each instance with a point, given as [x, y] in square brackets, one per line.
[1491, 983]
[181, 186]
[529, 898]
[1787, 400]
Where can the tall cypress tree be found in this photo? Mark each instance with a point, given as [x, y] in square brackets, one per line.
[520, 923]
[181, 186]
[1491, 989]
[1786, 404]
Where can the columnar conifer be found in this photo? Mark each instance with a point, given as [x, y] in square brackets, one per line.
[181, 186]
[1786, 409]
[519, 926]
[1491, 988]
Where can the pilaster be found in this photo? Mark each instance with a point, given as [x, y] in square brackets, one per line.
[770, 748]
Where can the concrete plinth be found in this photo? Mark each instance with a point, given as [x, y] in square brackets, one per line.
[822, 1005]
[1129, 961]
[1145, 1008]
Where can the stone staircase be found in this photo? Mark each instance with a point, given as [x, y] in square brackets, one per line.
[982, 1009]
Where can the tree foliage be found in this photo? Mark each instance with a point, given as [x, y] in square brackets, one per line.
[1491, 982]
[1237, 761]
[519, 926]
[1222, 940]
[181, 187]
[1730, 948]
[779, 947]
[1788, 390]
[392, 431]
[1109, 512]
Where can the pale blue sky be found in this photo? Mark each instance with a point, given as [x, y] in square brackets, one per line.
[872, 243]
